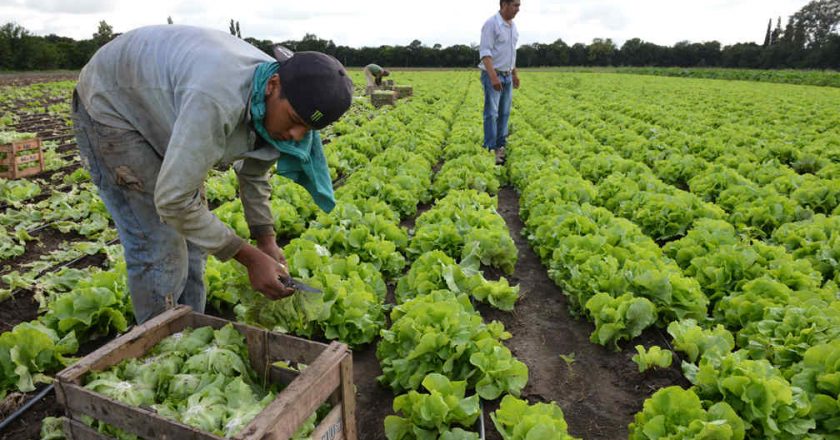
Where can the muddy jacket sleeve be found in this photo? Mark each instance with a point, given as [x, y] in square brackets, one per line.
[197, 143]
[255, 192]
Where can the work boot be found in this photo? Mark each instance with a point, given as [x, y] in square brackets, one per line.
[500, 156]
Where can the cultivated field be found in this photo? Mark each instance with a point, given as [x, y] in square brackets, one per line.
[698, 217]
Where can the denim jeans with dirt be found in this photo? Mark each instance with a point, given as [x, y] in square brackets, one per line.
[496, 110]
[163, 268]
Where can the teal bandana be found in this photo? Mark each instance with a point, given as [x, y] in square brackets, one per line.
[303, 162]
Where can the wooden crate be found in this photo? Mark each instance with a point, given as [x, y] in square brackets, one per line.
[380, 98]
[327, 377]
[403, 91]
[12, 159]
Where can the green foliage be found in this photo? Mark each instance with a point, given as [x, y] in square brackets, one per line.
[785, 334]
[97, 306]
[767, 403]
[698, 343]
[816, 240]
[397, 177]
[28, 351]
[517, 420]
[79, 210]
[366, 228]
[349, 308]
[221, 187]
[660, 210]
[722, 263]
[291, 206]
[624, 317]
[435, 270]
[655, 357]
[15, 191]
[13, 245]
[7, 137]
[431, 415]
[441, 333]
[52, 428]
[465, 225]
[233, 214]
[676, 414]
[819, 375]
[476, 171]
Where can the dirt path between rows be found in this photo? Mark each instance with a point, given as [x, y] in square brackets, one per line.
[600, 390]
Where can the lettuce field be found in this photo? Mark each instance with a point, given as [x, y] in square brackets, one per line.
[658, 258]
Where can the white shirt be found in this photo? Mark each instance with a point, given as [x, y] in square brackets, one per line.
[498, 40]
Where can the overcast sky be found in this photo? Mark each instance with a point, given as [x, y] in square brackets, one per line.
[377, 22]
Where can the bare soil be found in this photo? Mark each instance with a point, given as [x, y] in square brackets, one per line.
[28, 78]
[600, 390]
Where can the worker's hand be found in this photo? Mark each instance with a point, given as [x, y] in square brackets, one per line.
[515, 81]
[268, 244]
[264, 272]
[495, 82]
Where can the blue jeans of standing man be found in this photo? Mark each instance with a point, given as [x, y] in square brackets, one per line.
[163, 268]
[496, 110]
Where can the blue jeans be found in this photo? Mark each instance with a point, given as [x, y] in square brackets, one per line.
[163, 268]
[496, 111]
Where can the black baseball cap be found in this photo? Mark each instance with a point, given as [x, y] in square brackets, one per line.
[316, 85]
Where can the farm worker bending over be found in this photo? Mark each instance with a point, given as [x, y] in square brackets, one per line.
[498, 74]
[374, 74]
[158, 107]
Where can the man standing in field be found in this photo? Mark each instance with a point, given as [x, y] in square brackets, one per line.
[158, 107]
[374, 74]
[498, 74]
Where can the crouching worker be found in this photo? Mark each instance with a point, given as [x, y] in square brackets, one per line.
[158, 107]
[374, 74]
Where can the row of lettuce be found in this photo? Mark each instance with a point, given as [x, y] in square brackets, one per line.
[740, 268]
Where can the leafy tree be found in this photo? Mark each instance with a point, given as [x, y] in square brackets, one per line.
[578, 55]
[601, 52]
[817, 20]
[11, 44]
[768, 36]
[103, 34]
[777, 32]
[234, 29]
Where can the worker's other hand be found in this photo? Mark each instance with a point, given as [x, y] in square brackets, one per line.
[496, 82]
[264, 272]
[268, 244]
[515, 81]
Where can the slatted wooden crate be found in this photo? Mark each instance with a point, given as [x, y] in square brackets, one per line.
[21, 159]
[328, 377]
[403, 91]
[383, 97]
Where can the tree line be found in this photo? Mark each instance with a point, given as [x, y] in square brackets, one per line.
[809, 40]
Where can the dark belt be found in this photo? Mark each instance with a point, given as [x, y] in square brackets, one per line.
[503, 72]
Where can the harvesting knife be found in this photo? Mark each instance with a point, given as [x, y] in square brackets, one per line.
[300, 285]
[296, 284]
